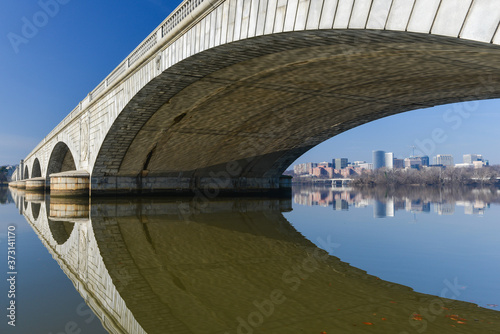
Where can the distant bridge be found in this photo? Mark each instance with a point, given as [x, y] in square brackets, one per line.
[225, 94]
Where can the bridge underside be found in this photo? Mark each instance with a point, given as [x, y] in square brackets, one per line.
[235, 117]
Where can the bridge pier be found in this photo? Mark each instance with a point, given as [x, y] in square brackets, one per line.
[208, 187]
[21, 184]
[35, 184]
[35, 197]
[69, 209]
[72, 183]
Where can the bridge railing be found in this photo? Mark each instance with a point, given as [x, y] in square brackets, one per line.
[178, 15]
[185, 9]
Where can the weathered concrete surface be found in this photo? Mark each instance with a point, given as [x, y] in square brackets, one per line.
[35, 184]
[72, 183]
[231, 92]
[69, 209]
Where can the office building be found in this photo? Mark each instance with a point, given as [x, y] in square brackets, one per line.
[444, 159]
[389, 160]
[366, 165]
[339, 163]
[470, 158]
[415, 163]
[305, 168]
[464, 165]
[378, 159]
[425, 160]
[398, 163]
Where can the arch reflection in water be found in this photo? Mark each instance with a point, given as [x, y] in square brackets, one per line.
[237, 266]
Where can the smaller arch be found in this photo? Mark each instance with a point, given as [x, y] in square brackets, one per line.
[35, 210]
[61, 160]
[36, 171]
[26, 173]
[61, 230]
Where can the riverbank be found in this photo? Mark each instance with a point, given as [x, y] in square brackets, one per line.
[430, 177]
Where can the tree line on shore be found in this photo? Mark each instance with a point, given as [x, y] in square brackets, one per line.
[4, 175]
[430, 176]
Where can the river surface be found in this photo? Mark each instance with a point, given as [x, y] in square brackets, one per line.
[339, 260]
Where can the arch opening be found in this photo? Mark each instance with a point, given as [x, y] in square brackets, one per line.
[36, 171]
[35, 210]
[251, 116]
[26, 173]
[61, 160]
[61, 230]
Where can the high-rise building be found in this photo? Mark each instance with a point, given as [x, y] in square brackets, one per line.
[425, 160]
[399, 163]
[470, 158]
[444, 159]
[413, 162]
[305, 168]
[366, 165]
[389, 160]
[339, 163]
[378, 159]
[416, 162]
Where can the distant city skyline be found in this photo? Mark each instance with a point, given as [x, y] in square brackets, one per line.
[429, 130]
[382, 159]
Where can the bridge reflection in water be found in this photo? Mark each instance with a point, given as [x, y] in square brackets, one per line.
[227, 266]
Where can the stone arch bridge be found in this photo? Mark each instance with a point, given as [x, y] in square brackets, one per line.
[225, 94]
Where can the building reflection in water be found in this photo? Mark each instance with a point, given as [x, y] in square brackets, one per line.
[227, 266]
[387, 202]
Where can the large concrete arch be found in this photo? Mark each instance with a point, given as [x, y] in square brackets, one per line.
[276, 98]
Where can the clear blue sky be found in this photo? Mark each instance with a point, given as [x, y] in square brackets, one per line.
[77, 47]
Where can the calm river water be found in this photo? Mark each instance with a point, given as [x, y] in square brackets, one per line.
[327, 260]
